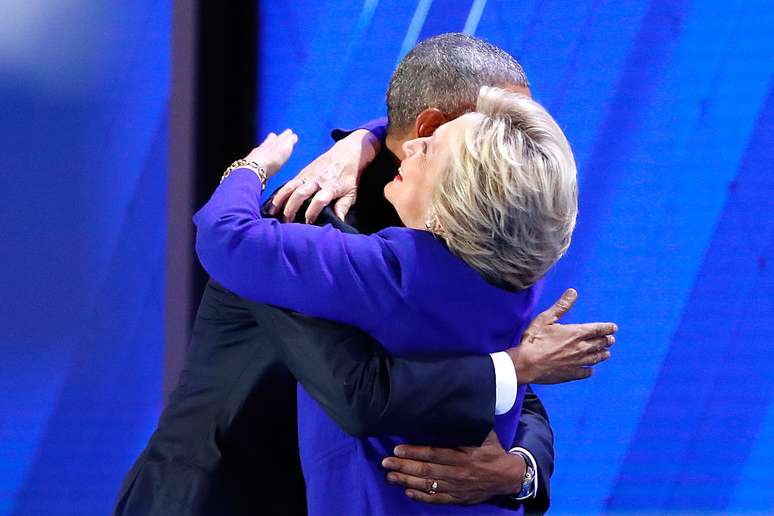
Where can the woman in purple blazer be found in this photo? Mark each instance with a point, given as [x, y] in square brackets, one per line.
[489, 204]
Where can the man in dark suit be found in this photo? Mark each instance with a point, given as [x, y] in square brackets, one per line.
[226, 442]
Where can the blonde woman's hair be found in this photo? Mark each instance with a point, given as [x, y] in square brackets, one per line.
[508, 203]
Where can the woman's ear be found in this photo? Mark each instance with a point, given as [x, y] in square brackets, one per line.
[428, 121]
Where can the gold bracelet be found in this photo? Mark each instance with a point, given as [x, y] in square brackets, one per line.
[252, 165]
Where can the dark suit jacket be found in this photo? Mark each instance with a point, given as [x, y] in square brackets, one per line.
[226, 442]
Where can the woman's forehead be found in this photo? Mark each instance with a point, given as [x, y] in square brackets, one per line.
[456, 126]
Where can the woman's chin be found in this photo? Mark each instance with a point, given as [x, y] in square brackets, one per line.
[389, 190]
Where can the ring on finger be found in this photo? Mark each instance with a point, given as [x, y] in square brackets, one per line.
[432, 487]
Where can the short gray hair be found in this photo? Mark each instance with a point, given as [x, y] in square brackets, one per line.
[508, 202]
[446, 72]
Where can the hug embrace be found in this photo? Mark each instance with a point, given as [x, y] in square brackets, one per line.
[404, 313]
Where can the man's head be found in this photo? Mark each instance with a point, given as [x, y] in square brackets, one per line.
[440, 79]
[497, 184]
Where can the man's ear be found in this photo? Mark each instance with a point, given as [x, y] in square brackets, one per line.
[428, 121]
[518, 88]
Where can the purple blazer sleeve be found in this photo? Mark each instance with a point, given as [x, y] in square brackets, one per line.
[318, 271]
[377, 126]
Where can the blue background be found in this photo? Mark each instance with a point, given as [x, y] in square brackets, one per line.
[669, 106]
[83, 153]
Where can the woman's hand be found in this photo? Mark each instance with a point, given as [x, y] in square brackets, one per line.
[332, 176]
[274, 151]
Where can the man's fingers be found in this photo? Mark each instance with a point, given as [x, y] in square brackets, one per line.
[593, 330]
[342, 206]
[596, 344]
[418, 468]
[320, 200]
[438, 498]
[561, 307]
[297, 198]
[581, 373]
[595, 358]
[420, 484]
[428, 454]
[558, 309]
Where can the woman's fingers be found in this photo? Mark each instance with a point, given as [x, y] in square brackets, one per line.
[288, 138]
[283, 146]
[320, 200]
[273, 136]
[342, 206]
[281, 197]
[274, 151]
[297, 198]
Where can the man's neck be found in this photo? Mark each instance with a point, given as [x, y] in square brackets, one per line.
[372, 212]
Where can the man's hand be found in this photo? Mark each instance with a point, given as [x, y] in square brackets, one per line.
[333, 175]
[555, 353]
[464, 476]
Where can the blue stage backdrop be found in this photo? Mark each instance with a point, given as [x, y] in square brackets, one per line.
[669, 106]
[84, 90]
[670, 109]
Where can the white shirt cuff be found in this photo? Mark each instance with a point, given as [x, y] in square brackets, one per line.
[505, 382]
[533, 491]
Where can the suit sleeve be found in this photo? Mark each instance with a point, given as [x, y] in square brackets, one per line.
[534, 434]
[367, 392]
[377, 127]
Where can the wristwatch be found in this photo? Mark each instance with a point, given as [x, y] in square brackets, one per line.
[528, 483]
